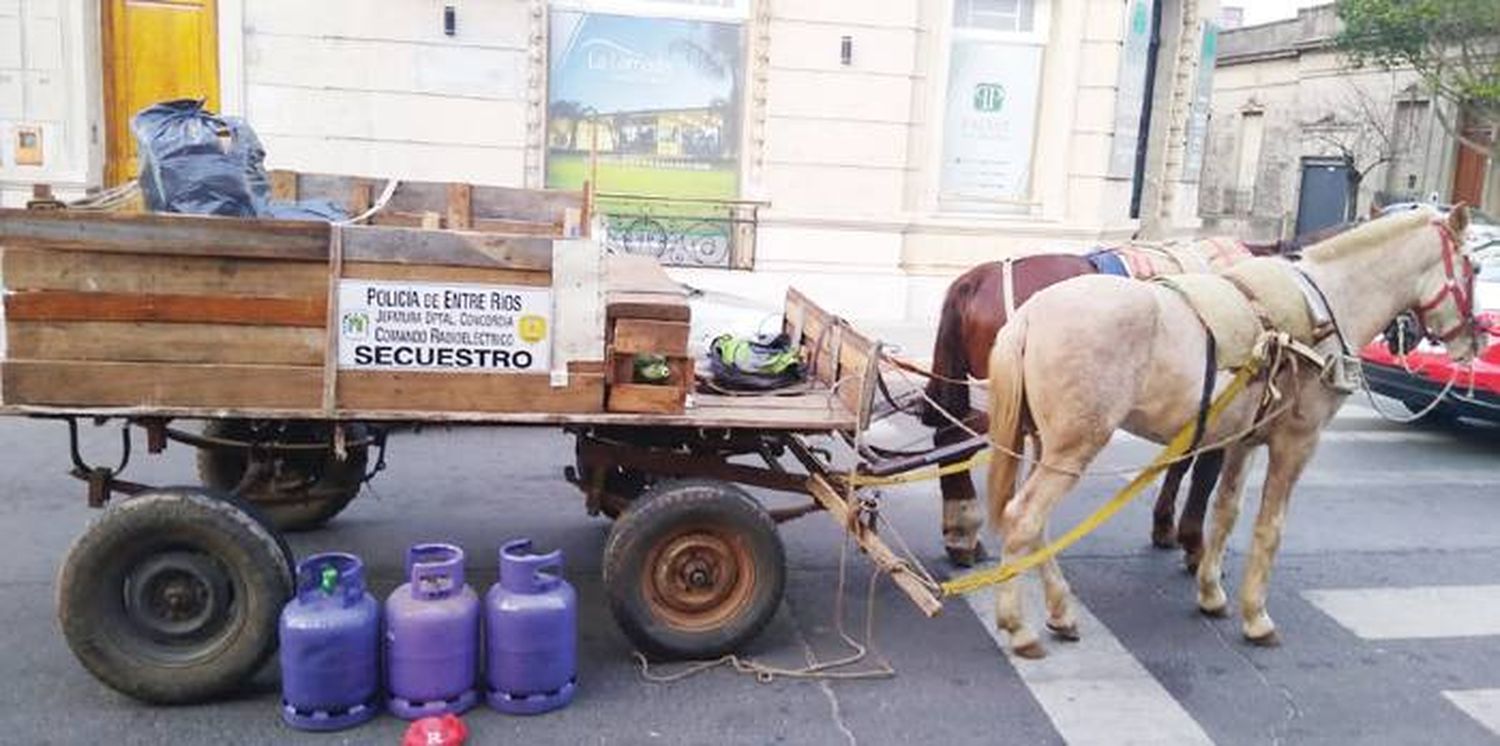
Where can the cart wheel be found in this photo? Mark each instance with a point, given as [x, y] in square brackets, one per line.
[173, 596]
[694, 569]
[305, 490]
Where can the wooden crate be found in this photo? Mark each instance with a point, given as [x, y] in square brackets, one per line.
[646, 314]
[232, 316]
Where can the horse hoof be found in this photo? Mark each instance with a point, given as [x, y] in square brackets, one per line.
[1267, 640]
[1065, 632]
[1161, 541]
[1030, 651]
[1214, 613]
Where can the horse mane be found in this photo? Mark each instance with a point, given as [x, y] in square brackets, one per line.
[1368, 234]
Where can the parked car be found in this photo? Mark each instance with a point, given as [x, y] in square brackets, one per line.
[1427, 368]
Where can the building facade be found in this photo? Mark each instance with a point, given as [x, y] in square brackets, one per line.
[1299, 138]
[882, 146]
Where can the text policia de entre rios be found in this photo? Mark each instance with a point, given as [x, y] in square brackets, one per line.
[407, 356]
[436, 347]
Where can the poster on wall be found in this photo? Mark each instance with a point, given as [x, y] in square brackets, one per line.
[990, 122]
[1203, 93]
[444, 327]
[704, 9]
[655, 100]
[1130, 100]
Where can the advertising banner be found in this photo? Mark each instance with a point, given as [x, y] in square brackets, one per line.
[1135, 62]
[444, 327]
[990, 122]
[655, 100]
[1203, 94]
[704, 9]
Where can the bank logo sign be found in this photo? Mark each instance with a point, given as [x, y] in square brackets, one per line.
[444, 327]
[989, 98]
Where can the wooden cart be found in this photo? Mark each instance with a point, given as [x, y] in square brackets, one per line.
[287, 339]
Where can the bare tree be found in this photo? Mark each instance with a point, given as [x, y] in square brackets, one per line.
[1361, 130]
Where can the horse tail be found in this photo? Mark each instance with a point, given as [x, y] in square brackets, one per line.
[1007, 402]
[950, 361]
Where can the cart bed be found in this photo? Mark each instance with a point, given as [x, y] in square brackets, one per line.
[109, 314]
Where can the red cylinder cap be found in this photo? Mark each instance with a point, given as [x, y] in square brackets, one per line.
[447, 730]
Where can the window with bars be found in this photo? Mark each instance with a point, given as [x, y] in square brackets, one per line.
[1016, 16]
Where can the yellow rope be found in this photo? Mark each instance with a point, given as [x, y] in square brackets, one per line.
[1179, 445]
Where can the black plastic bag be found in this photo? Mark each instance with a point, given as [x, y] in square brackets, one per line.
[190, 163]
[193, 161]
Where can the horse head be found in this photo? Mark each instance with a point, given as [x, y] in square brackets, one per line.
[1446, 289]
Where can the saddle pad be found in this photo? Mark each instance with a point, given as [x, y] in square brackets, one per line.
[1224, 310]
[1276, 286]
[1107, 262]
[1221, 252]
[1145, 263]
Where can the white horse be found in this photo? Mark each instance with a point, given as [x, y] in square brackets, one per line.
[1097, 353]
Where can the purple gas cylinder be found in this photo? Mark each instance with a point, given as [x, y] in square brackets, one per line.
[531, 632]
[330, 646]
[432, 636]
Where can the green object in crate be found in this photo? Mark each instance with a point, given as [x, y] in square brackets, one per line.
[652, 369]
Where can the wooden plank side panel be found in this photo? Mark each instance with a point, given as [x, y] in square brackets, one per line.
[65, 305]
[446, 248]
[115, 384]
[157, 234]
[472, 392]
[434, 273]
[164, 343]
[89, 271]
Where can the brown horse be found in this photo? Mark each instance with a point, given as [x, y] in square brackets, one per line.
[977, 305]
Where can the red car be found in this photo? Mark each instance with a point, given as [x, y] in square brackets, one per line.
[1427, 369]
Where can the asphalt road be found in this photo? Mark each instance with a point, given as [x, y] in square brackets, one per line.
[1372, 654]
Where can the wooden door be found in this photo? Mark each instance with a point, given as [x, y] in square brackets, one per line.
[154, 50]
[1472, 166]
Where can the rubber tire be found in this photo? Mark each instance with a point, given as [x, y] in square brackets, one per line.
[663, 508]
[222, 468]
[90, 593]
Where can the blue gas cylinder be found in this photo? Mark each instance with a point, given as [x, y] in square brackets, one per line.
[330, 646]
[432, 636]
[531, 632]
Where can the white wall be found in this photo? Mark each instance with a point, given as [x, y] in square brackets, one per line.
[49, 79]
[374, 87]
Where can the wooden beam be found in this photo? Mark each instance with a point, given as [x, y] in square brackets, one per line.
[157, 234]
[32, 269]
[901, 573]
[155, 342]
[113, 384]
[64, 305]
[447, 248]
[472, 392]
[284, 186]
[460, 210]
[433, 273]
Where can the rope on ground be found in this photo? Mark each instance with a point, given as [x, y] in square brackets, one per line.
[833, 669]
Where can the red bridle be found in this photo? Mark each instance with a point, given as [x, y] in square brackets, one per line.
[1459, 284]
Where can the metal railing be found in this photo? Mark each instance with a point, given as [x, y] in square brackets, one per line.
[682, 232]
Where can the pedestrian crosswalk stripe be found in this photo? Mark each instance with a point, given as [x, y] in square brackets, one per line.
[1481, 704]
[1422, 612]
[1094, 690]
